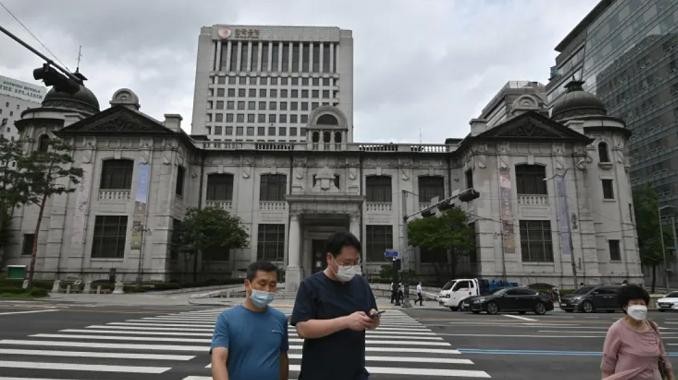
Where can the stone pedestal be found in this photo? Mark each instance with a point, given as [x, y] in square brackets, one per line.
[56, 287]
[119, 288]
[292, 280]
[88, 287]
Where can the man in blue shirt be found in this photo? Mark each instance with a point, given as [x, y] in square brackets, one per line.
[250, 340]
[332, 311]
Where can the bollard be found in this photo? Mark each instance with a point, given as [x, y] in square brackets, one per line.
[119, 288]
[99, 289]
[68, 289]
[24, 285]
[88, 287]
[56, 287]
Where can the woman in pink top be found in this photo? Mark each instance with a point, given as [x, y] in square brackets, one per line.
[633, 347]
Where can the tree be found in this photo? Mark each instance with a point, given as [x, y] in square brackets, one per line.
[13, 187]
[646, 201]
[47, 172]
[207, 228]
[449, 230]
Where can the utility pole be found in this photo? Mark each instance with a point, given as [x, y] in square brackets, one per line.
[661, 239]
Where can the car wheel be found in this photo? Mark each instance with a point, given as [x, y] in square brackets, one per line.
[587, 307]
[461, 306]
[492, 308]
[661, 310]
[521, 312]
[475, 311]
[540, 309]
[568, 310]
[453, 308]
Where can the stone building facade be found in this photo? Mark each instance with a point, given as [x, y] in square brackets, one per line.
[555, 199]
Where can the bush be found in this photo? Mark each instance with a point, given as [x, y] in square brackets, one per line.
[38, 292]
[31, 292]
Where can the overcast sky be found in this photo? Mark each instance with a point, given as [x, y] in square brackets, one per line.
[421, 66]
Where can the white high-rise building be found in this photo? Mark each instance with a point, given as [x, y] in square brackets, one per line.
[16, 97]
[261, 83]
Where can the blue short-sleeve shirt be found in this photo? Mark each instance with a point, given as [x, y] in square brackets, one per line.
[254, 340]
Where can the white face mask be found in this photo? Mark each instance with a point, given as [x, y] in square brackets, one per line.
[345, 273]
[637, 312]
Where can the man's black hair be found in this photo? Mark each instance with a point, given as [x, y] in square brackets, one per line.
[340, 240]
[631, 292]
[263, 266]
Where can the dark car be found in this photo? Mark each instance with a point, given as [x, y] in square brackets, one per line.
[590, 299]
[513, 299]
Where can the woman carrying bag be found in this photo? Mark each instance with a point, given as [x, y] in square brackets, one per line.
[633, 348]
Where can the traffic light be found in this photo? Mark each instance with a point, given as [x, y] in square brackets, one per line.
[468, 195]
[397, 264]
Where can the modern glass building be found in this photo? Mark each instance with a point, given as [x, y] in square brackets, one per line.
[627, 54]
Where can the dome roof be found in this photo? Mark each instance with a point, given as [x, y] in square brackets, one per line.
[577, 102]
[83, 100]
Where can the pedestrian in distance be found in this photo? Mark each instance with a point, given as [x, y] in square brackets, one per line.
[420, 295]
[250, 340]
[394, 292]
[633, 348]
[401, 294]
[332, 310]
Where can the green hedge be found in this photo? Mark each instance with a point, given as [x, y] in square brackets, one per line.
[32, 292]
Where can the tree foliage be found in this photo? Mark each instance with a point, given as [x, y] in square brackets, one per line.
[210, 227]
[449, 230]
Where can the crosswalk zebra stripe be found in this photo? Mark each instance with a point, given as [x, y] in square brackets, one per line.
[139, 332]
[82, 367]
[85, 354]
[126, 338]
[417, 371]
[130, 346]
[149, 328]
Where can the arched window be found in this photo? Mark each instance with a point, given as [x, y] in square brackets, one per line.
[43, 143]
[327, 136]
[603, 154]
[316, 137]
[337, 137]
[327, 119]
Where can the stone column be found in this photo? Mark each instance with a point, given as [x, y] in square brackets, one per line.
[354, 225]
[293, 273]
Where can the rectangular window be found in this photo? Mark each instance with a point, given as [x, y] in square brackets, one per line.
[615, 252]
[274, 81]
[608, 189]
[228, 131]
[282, 131]
[273, 93]
[262, 106]
[243, 58]
[239, 131]
[283, 106]
[230, 105]
[530, 179]
[315, 94]
[295, 94]
[231, 92]
[221, 92]
[117, 174]
[272, 106]
[271, 131]
[27, 247]
[229, 117]
[283, 118]
[220, 105]
[283, 93]
[294, 106]
[264, 57]
[283, 81]
[271, 242]
[217, 129]
[110, 232]
[231, 80]
[262, 93]
[304, 62]
[316, 58]
[234, 56]
[242, 92]
[469, 178]
[430, 187]
[250, 118]
[261, 118]
[252, 92]
[316, 81]
[379, 239]
[240, 118]
[274, 56]
[261, 131]
[295, 57]
[293, 130]
[326, 94]
[250, 131]
[272, 187]
[326, 58]
[271, 118]
[220, 187]
[378, 188]
[293, 119]
[304, 94]
[219, 117]
[180, 181]
[255, 56]
[304, 106]
[241, 105]
[304, 81]
[535, 241]
[304, 119]
[286, 57]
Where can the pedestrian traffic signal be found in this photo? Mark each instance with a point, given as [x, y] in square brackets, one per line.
[468, 195]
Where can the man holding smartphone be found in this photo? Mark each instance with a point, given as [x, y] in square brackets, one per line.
[332, 310]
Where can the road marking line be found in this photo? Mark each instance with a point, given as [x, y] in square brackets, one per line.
[28, 312]
[85, 354]
[147, 328]
[394, 337]
[391, 342]
[83, 367]
[130, 346]
[25, 378]
[521, 318]
[116, 337]
[406, 359]
[523, 335]
[158, 324]
[417, 371]
[163, 333]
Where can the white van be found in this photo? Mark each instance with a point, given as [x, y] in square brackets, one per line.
[454, 292]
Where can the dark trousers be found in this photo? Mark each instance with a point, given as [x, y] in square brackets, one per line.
[420, 299]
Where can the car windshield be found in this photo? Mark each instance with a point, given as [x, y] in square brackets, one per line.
[583, 290]
[448, 285]
[672, 295]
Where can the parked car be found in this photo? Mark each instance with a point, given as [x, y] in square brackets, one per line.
[590, 299]
[668, 302]
[521, 300]
[454, 292]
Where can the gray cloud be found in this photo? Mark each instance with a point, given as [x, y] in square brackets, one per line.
[421, 67]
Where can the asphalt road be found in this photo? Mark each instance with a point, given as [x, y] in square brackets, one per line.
[556, 346]
[39, 341]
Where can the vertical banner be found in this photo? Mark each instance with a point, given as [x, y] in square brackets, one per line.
[506, 213]
[562, 216]
[140, 200]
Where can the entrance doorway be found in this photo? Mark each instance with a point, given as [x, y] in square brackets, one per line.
[317, 255]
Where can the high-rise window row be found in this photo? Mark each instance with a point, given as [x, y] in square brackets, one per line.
[276, 56]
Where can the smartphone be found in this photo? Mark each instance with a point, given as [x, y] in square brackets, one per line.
[377, 314]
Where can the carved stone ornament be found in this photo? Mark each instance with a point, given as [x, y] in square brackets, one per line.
[352, 174]
[503, 164]
[324, 181]
[403, 175]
